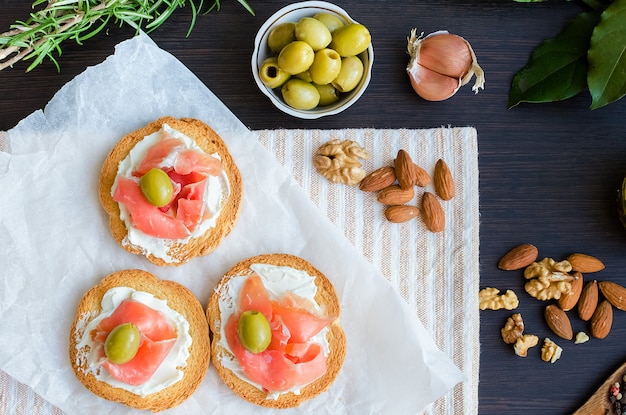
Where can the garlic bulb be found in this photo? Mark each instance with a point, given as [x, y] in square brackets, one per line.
[440, 64]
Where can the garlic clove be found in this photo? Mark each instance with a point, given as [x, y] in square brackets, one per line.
[446, 54]
[430, 85]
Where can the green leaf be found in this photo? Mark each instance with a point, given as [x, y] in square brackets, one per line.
[607, 56]
[597, 4]
[557, 68]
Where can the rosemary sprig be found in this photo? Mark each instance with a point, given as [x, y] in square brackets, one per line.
[41, 35]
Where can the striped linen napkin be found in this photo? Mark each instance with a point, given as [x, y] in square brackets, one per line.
[437, 274]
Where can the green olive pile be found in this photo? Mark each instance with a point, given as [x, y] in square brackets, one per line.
[316, 60]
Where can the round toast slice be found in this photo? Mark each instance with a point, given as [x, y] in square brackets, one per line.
[179, 299]
[210, 142]
[326, 297]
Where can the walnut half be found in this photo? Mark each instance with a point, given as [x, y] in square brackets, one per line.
[550, 351]
[548, 279]
[524, 343]
[338, 161]
[513, 329]
[489, 298]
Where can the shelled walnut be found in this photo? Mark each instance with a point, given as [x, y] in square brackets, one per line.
[490, 298]
[524, 343]
[550, 351]
[548, 279]
[513, 329]
[339, 161]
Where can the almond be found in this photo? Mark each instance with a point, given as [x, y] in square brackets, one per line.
[432, 213]
[519, 257]
[395, 195]
[614, 293]
[404, 169]
[585, 263]
[378, 179]
[401, 213]
[421, 176]
[588, 300]
[569, 300]
[559, 322]
[444, 185]
[601, 321]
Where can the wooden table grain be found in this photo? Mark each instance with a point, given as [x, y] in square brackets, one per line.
[548, 172]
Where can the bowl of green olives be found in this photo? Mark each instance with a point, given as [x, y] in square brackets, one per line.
[311, 59]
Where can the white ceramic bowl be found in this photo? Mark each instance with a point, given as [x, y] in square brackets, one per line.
[293, 13]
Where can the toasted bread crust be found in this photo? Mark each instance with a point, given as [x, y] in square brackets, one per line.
[325, 296]
[211, 143]
[179, 299]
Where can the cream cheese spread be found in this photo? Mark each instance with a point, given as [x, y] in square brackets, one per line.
[90, 353]
[277, 280]
[216, 192]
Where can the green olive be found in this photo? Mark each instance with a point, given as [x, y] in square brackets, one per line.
[254, 331]
[328, 94]
[157, 187]
[300, 94]
[331, 21]
[351, 39]
[313, 32]
[305, 76]
[325, 66]
[271, 75]
[122, 343]
[296, 57]
[350, 74]
[281, 35]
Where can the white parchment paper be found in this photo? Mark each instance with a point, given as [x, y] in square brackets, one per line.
[55, 245]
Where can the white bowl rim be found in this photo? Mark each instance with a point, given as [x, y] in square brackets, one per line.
[281, 105]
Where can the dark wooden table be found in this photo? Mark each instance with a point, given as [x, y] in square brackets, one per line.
[548, 172]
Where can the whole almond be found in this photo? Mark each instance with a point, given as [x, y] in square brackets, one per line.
[404, 169]
[588, 300]
[401, 213]
[602, 320]
[444, 185]
[395, 195]
[378, 179]
[519, 257]
[432, 213]
[614, 293]
[569, 300]
[420, 176]
[585, 263]
[559, 322]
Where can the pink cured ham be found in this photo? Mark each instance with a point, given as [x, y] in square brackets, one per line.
[147, 360]
[188, 161]
[157, 339]
[291, 359]
[146, 217]
[186, 209]
[150, 322]
[157, 153]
